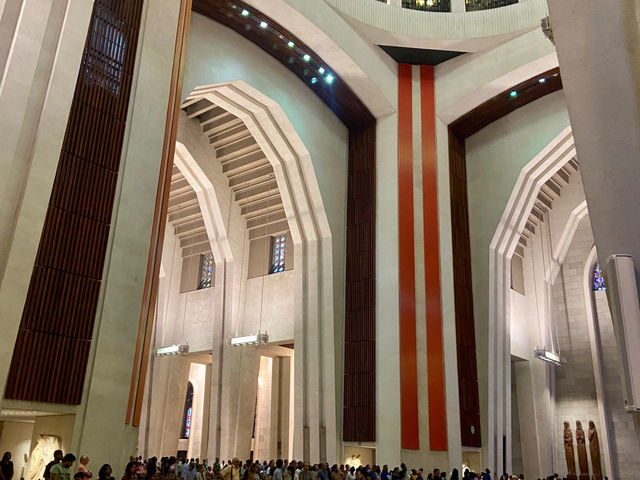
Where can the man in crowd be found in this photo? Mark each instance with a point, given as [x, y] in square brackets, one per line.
[231, 471]
[57, 458]
[62, 470]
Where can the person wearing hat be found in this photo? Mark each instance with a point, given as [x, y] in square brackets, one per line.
[232, 471]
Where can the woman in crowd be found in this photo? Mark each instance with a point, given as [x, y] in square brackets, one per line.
[105, 472]
[131, 471]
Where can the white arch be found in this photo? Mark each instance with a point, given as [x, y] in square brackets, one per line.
[535, 174]
[314, 403]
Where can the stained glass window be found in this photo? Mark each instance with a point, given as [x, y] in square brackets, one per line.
[278, 253]
[185, 431]
[598, 279]
[206, 271]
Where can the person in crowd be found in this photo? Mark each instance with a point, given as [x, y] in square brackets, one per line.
[385, 473]
[131, 471]
[84, 468]
[105, 472]
[306, 473]
[57, 458]
[323, 473]
[232, 470]
[335, 473]
[62, 470]
[277, 473]
[454, 474]
[152, 467]
[6, 467]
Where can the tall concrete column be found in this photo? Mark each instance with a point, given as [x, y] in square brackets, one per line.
[598, 48]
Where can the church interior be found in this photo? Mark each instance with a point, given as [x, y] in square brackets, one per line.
[360, 232]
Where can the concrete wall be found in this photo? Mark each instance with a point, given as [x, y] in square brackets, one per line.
[575, 394]
[15, 437]
[499, 151]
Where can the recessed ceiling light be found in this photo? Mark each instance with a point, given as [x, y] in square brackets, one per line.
[306, 57]
[321, 70]
[314, 80]
[244, 13]
[329, 78]
[291, 44]
[513, 93]
[263, 25]
[542, 80]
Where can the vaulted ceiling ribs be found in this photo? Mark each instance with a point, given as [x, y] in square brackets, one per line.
[249, 173]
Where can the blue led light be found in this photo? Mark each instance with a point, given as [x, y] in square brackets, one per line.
[513, 93]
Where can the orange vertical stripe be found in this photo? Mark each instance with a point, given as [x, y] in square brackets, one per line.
[435, 356]
[406, 267]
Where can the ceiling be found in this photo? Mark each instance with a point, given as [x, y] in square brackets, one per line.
[250, 175]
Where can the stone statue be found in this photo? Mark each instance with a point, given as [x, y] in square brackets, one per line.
[583, 464]
[594, 449]
[568, 452]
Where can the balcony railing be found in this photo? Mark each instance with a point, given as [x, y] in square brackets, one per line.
[445, 5]
[474, 5]
[428, 5]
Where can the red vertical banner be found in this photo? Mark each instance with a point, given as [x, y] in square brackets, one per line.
[406, 266]
[433, 307]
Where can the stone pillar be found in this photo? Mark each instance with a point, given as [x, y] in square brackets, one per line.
[598, 44]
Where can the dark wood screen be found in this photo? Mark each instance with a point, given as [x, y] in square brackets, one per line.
[465, 329]
[359, 420]
[54, 338]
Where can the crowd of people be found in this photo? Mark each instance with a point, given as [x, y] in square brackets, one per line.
[174, 468]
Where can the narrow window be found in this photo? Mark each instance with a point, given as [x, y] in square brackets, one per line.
[206, 271]
[278, 253]
[185, 431]
[598, 279]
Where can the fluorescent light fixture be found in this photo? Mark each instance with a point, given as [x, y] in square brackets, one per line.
[549, 357]
[249, 340]
[172, 350]
[263, 25]
[244, 13]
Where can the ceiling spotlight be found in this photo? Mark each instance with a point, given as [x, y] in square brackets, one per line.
[290, 44]
[321, 70]
[329, 78]
[542, 80]
[513, 94]
[306, 57]
[244, 13]
[263, 25]
[314, 80]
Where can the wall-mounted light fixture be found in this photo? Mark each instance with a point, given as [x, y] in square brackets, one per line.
[249, 340]
[549, 357]
[172, 350]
